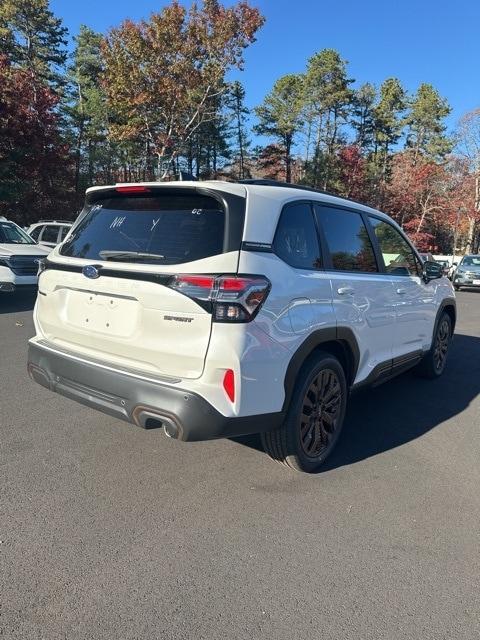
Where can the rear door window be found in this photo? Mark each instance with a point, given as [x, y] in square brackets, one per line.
[347, 239]
[163, 229]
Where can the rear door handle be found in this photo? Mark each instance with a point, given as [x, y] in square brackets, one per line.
[401, 292]
[344, 291]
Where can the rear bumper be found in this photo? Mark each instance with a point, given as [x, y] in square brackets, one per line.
[145, 403]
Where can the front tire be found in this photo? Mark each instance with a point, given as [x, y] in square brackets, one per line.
[434, 362]
[315, 416]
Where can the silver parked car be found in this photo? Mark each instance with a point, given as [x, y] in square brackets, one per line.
[467, 273]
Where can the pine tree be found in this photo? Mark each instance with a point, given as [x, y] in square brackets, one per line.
[363, 115]
[235, 104]
[33, 38]
[388, 128]
[426, 126]
[327, 102]
[87, 110]
[280, 115]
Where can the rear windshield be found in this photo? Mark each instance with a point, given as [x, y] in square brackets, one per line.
[150, 230]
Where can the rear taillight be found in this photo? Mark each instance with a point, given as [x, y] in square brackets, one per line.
[232, 298]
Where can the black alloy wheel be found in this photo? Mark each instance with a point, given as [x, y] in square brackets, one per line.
[442, 342]
[314, 418]
[320, 412]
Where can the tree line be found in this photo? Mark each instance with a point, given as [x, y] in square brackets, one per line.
[151, 99]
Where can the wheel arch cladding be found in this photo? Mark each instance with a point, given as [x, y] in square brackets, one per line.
[337, 341]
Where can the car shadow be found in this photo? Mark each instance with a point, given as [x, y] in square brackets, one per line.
[17, 301]
[403, 409]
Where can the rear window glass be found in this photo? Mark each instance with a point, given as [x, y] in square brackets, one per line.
[150, 230]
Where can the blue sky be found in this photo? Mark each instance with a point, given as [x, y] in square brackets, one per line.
[434, 41]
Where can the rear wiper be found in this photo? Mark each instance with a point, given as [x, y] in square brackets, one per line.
[129, 256]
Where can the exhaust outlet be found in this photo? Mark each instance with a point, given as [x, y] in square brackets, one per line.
[149, 419]
[170, 430]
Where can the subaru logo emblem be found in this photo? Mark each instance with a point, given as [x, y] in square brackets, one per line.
[90, 271]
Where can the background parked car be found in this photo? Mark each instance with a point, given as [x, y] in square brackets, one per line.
[427, 257]
[446, 266]
[467, 274]
[49, 232]
[20, 257]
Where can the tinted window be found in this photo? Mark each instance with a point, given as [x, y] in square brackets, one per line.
[63, 232]
[35, 233]
[347, 239]
[152, 230]
[49, 234]
[296, 240]
[398, 255]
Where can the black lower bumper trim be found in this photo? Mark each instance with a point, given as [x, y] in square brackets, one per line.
[142, 402]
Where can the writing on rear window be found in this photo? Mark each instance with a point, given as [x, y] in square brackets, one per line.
[150, 230]
[117, 222]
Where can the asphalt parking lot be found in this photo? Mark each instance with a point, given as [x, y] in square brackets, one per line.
[108, 531]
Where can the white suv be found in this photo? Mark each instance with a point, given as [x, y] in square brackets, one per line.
[20, 257]
[49, 232]
[219, 309]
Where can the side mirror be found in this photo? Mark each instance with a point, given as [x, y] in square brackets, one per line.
[432, 271]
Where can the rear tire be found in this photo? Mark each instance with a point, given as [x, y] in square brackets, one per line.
[456, 287]
[314, 418]
[434, 362]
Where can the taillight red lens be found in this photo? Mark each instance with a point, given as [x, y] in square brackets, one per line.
[229, 384]
[233, 284]
[232, 298]
[193, 286]
[206, 282]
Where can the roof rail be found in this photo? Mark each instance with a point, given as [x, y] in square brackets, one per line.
[291, 185]
[278, 183]
[56, 221]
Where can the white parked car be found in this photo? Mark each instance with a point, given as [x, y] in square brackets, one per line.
[49, 232]
[20, 257]
[218, 309]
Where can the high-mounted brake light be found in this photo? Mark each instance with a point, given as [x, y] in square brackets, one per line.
[230, 298]
[134, 188]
